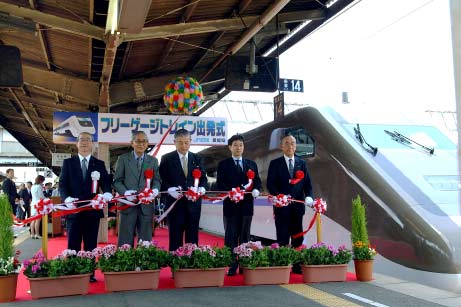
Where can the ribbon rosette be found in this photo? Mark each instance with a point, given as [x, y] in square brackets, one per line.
[251, 176]
[98, 202]
[299, 175]
[193, 194]
[44, 206]
[236, 194]
[281, 200]
[320, 206]
[146, 196]
[196, 173]
[95, 175]
[148, 174]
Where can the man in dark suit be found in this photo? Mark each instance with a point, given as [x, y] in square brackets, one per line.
[237, 216]
[75, 184]
[129, 179]
[48, 190]
[289, 219]
[176, 170]
[26, 196]
[9, 188]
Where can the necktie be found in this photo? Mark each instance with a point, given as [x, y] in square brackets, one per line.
[290, 167]
[184, 165]
[84, 168]
[139, 163]
[239, 166]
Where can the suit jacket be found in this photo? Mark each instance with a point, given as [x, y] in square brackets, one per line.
[278, 178]
[26, 196]
[9, 188]
[228, 177]
[172, 175]
[127, 177]
[72, 184]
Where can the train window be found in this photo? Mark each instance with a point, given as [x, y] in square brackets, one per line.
[305, 144]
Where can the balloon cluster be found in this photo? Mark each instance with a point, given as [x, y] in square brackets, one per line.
[183, 95]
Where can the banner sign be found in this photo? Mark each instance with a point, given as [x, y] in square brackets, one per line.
[114, 128]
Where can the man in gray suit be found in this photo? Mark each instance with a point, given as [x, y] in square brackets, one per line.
[129, 179]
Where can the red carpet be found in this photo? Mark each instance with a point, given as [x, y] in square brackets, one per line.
[58, 244]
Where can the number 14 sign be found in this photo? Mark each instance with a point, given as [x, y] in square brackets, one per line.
[291, 85]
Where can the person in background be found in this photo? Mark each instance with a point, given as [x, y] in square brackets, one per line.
[75, 184]
[129, 179]
[26, 197]
[176, 170]
[37, 194]
[237, 216]
[56, 190]
[48, 190]
[9, 188]
[289, 219]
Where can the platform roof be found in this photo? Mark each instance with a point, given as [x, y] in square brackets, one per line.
[72, 62]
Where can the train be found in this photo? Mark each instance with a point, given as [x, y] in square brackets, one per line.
[404, 170]
[74, 125]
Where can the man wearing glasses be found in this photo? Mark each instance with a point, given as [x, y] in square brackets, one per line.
[129, 179]
[75, 184]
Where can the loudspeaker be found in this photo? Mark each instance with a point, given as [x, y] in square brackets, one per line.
[264, 80]
[10, 67]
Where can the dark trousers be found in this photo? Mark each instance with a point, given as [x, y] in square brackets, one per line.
[237, 230]
[183, 225]
[82, 228]
[22, 214]
[288, 222]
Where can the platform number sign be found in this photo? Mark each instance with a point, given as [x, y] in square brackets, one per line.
[291, 85]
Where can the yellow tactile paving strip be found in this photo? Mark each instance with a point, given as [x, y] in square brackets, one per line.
[319, 296]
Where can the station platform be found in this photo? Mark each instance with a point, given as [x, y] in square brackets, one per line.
[382, 291]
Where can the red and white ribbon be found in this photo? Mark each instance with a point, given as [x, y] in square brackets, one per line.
[148, 174]
[251, 176]
[236, 194]
[146, 196]
[44, 206]
[299, 175]
[95, 175]
[196, 173]
[193, 194]
[280, 200]
[98, 202]
[319, 206]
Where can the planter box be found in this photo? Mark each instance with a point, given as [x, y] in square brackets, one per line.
[324, 273]
[275, 275]
[132, 280]
[59, 286]
[8, 287]
[189, 278]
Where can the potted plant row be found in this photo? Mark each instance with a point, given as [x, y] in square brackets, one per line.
[199, 266]
[268, 265]
[127, 268]
[66, 274]
[9, 263]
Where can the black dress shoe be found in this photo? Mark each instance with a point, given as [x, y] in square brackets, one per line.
[240, 270]
[231, 272]
[93, 279]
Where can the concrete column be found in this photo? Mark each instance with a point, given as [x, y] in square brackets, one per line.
[455, 8]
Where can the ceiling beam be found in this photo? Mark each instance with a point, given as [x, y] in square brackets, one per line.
[90, 40]
[54, 22]
[69, 88]
[41, 37]
[27, 117]
[191, 28]
[112, 44]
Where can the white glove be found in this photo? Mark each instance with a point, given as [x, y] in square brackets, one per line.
[155, 192]
[70, 199]
[107, 196]
[255, 193]
[173, 191]
[308, 201]
[201, 190]
[130, 192]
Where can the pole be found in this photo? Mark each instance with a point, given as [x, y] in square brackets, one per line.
[319, 228]
[45, 235]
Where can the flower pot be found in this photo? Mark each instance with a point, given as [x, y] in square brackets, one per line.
[59, 286]
[132, 280]
[187, 278]
[8, 285]
[274, 275]
[363, 270]
[324, 273]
